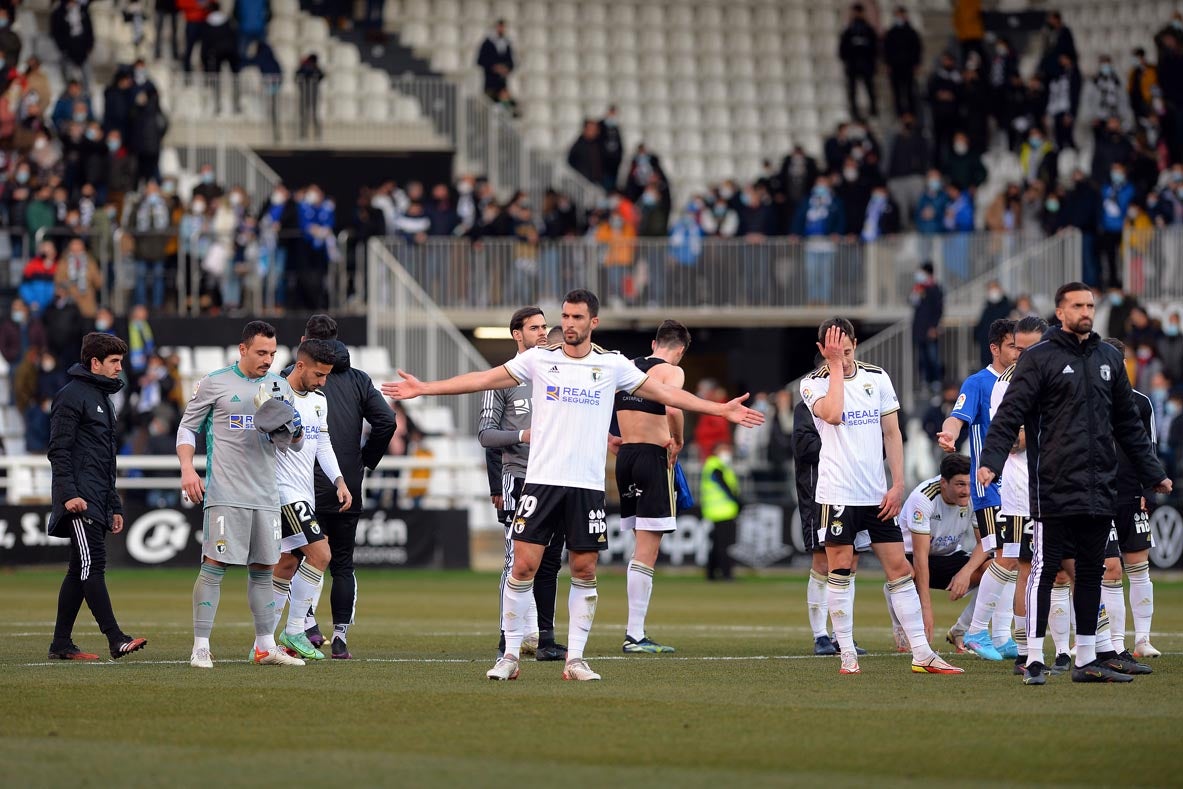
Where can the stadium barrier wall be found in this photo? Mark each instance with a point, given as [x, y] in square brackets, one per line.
[167, 537]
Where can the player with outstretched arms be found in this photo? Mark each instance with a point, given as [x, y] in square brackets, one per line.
[573, 386]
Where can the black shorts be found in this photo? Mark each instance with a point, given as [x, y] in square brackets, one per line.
[843, 522]
[941, 569]
[1133, 525]
[1112, 546]
[646, 484]
[1018, 532]
[988, 525]
[299, 526]
[546, 510]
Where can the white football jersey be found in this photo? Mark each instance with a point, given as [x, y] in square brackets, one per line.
[572, 401]
[294, 470]
[950, 527]
[1016, 494]
[850, 470]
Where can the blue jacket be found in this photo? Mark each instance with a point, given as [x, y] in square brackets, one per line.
[252, 15]
[686, 241]
[937, 202]
[323, 214]
[820, 215]
[1115, 201]
[960, 215]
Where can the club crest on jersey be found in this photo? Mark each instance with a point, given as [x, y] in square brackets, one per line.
[1105, 372]
[870, 390]
[960, 402]
[597, 374]
[242, 421]
[552, 393]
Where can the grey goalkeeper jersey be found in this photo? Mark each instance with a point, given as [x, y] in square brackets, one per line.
[504, 413]
[240, 461]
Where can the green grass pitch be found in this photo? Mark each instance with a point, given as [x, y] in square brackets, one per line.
[740, 704]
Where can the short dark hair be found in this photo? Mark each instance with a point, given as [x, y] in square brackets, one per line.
[319, 351]
[584, 296]
[846, 326]
[999, 329]
[320, 327]
[1069, 287]
[1030, 323]
[672, 334]
[554, 335]
[100, 345]
[954, 464]
[255, 329]
[519, 318]
[1116, 343]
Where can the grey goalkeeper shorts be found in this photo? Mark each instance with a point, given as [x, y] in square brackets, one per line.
[239, 535]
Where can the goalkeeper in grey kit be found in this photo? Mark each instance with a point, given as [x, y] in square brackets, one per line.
[244, 413]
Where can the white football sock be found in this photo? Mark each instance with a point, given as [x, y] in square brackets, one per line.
[1059, 617]
[581, 612]
[515, 602]
[304, 585]
[282, 588]
[895, 620]
[1004, 610]
[1021, 634]
[1035, 650]
[1113, 599]
[989, 591]
[310, 615]
[967, 613]
[906, 602]
[1141, 599]
[839, 599]
[815, 600]
[640, 589]
[1086, 649]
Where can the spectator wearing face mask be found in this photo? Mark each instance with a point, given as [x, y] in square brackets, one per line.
[963, 166]
[944, 99]
[19, 331]
[72, 31]
[46, 155]
[152, 225]
[10, 42]
[930, 208]
[1001, 68]
[1143, 79]
[1117, 195]
[906, 165]
[586, 156]
[78, 278]
[1104, 97]
[613, 144]
[147, 125]
[1170, 346]
[959, 223]
[121, 168]
[644, 166]
[308, 78]
[858, 49]
[208, 189]
[820, 220]
[1037, 159]
[998, 306]
[882, 217]
[903, 51]
[317, 217]
[1063, 102]
[66, 108]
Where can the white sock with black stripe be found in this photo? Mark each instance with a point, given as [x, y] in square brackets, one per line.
[1059, 617]
[905, 601]
[1113, 599]
[515, 601]
[1141, 599]
[815, 601]
[304, 585]
[1004, 610]
[989, 590]
[640, 589]
[282, 588]
[581, 612]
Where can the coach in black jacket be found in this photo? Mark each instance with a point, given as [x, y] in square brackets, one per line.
[82, 449]
[1071, 394]
[352, 398]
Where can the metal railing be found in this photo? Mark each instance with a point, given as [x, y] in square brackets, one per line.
[768, 273]
[418, 336]
[234, 165]
[1152, 263]
[1036, 270]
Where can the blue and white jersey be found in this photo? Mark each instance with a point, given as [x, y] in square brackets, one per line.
[973, 408]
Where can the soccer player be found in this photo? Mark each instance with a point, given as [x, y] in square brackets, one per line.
[857, 420]
[651, 437]
[504, 432]
[807, 446]
[936, 521]
[572, 388]
[302, 534]
[996, 593]
[353, 400]
[1015, 499]
[1132, 523]
[85, 503]
[1071, 395]
[239, 493]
